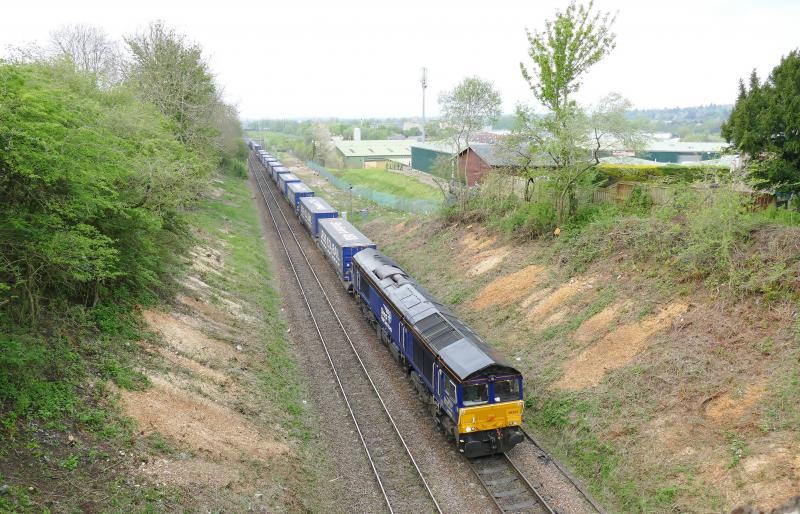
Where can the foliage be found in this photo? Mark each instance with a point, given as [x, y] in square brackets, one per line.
[170, 72]
[765, 125]
[471, 105]
[649, 173]
[700, 236]
[38, 380]
[565, 144]
[91, 185]
[562, 54]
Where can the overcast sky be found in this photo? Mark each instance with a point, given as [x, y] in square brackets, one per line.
[303, 58]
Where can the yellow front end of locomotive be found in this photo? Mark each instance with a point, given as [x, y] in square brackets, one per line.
[490, 417]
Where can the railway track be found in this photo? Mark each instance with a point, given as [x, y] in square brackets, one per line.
[507, 486]
[398, 476]
[549, 459]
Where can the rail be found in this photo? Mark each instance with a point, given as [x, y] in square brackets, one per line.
[265, 187]
[564, 471]
[507, 486]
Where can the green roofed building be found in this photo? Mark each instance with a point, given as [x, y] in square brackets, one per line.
[681, 151]
[424, 155]
[374, 153]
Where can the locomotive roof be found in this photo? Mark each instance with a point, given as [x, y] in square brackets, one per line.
[461, 349]
[299, 187]
[344, 233]
[316, 204]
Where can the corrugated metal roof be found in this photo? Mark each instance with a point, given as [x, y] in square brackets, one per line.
[447, 147]
[375, 148]
[457, 345]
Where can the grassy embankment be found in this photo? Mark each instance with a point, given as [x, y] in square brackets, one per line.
[659, 344]
[67, 442]
[388, 182]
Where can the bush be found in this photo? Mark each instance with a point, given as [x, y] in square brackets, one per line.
[92, 187]
[531, 219]
[643, 173]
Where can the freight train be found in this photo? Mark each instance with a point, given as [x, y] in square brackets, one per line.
[474, 394]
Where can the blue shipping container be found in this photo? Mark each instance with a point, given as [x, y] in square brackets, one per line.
[270, 163]
[284, 179]
[340, 241]
[313, 209]
[295, 191]
[277, 170]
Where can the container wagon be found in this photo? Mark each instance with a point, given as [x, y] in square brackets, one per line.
[275, 170]
[313, 209]
[295, 191]
[284, 179]
[340, 241]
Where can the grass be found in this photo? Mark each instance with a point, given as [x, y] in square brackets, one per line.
[66, 446]
[725, 258]
[233, 219]
[388, 182]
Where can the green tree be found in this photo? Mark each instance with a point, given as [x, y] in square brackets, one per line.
[170, 72]
[765, 125]
[91, 188]
[470, 106]
[568, 140]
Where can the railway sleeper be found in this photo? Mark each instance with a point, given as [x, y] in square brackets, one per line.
[521, 506]
[502, 480]
[508, 493]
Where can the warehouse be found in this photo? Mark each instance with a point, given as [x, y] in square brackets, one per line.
[373, 153]
[425, 155]
[681, 151]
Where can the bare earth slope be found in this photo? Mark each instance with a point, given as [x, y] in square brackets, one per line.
[225, 395]
[661, 396]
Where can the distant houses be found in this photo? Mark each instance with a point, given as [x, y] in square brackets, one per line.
[486, 155]
[480, 158]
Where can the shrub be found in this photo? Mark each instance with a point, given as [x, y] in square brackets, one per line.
[531, 219]
[92, 186]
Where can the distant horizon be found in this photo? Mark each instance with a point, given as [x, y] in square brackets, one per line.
[436, 117]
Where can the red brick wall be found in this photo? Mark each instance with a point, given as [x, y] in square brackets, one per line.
[475, 166]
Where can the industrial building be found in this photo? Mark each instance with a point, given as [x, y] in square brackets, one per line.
[425, 155]
[679, 152]
[374, 153]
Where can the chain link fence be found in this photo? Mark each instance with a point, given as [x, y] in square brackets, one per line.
[399, 203]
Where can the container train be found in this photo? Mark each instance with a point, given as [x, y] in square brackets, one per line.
[474, 394]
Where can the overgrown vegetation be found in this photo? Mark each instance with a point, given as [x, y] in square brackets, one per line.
[96, 178]
[764, 125]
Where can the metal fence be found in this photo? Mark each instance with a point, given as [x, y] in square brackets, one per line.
[386, 199]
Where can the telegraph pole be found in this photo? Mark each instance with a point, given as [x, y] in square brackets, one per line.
[424, 81]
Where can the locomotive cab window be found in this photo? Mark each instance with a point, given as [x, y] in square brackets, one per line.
[451, 390]
[475, 394]
[506, 390]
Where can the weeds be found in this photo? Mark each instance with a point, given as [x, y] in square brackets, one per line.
[738, 449]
